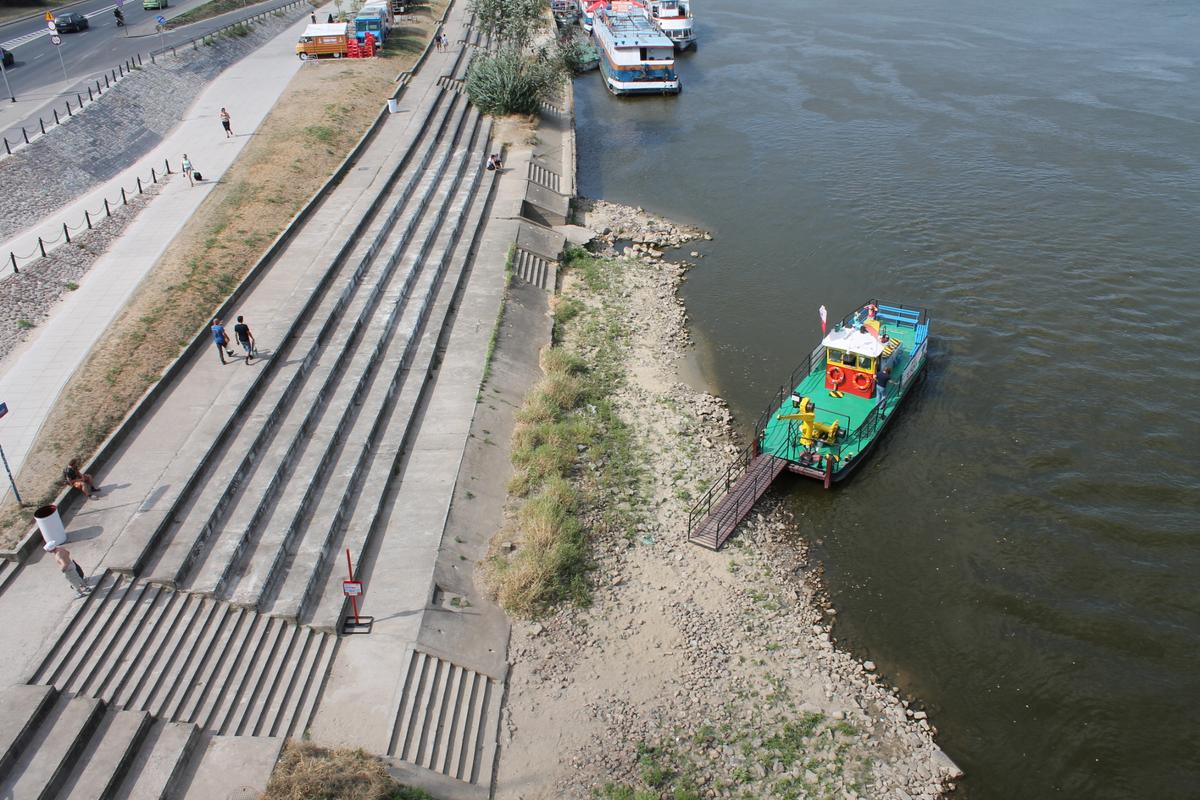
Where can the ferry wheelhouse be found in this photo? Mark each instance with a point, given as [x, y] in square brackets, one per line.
[635, 56]
[827, 418]
[674, 18]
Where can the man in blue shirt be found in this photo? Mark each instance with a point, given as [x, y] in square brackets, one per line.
[220, 339]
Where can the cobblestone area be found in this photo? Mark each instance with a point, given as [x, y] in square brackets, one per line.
[119, 128]
[26, 299]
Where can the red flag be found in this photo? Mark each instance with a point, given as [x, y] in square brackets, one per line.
[824, 313]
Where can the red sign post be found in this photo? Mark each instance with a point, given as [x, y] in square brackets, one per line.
[353, 589]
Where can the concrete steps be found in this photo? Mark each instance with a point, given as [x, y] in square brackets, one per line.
[374, 433]
[540, 175]
[330, 465]
[24, 708]
[324, 606]
[232, 767]
[160, 762]
[269, 422]
[8, 571]
[225, 669]
[532, 268]
[39, 772]
[446, 719]
[110, 753]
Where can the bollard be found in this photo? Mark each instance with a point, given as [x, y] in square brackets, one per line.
[13, 256]
[139, 180]
[121, 70]
[153, 177]
[67, 103]
[106, 80]
[90, 98]
[66, 233]
[26, 135]
[124, 199]
[43, 125]
[139, 59]
[168, 165]
[97, 86]
[107, 211]
[42, 246]
[152, 57]
[56, 122]
[7, 149]
[88, 219]
[80, 99]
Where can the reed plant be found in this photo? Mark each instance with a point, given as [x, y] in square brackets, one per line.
[509, 81]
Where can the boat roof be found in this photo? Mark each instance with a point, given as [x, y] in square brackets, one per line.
[634, 29]
[854, 341]
[325, 29]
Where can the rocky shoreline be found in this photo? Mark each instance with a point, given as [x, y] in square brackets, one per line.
[694, 674]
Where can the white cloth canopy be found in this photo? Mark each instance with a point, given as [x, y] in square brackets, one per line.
[312, 31]
[854, 341]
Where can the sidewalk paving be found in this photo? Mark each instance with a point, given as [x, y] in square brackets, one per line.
[33, 376]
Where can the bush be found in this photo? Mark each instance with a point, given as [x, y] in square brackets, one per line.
[509, 82]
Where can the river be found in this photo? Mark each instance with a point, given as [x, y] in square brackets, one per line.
[1021, 551]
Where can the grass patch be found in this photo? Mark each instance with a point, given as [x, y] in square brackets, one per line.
[308, 772]
[25, 324]
[495, 337]
[573, 457]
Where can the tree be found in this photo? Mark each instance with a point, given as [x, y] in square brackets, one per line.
[510, 22]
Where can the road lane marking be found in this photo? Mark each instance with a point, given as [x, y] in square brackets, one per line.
[38, 34]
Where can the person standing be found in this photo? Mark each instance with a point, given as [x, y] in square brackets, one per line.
[71, 571]
[220, 339]
[245, 337]
[225, 123]
[187, 169]
[881, 384]
[313, 17]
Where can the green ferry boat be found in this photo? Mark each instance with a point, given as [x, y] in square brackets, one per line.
[828, 417]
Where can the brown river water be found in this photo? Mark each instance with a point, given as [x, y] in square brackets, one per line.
[1022, 551]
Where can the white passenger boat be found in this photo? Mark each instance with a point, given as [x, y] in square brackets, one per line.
[674, 18]
[587, 12]
[635, 56]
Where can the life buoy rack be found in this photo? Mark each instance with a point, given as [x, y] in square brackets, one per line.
[836, 376]
[862, 380]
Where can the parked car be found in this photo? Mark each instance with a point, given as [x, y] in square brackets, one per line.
[6, 57]
[153, 5]
[70, 21]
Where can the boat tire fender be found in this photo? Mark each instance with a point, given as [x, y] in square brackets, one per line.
[862, 380]
[836, 375]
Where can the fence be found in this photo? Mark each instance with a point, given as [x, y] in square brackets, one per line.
[85, 224]
[28, 135]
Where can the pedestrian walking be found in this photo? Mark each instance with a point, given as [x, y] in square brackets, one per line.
[330, 20]
[220, 339]
[313, 17]
[76, 478]
[245, 337]
[187, 169]
[71, 571]
[437, 43]
[225, 123]
[445, 42]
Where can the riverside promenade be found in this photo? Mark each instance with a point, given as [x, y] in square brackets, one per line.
[33, 375]
[217, 550]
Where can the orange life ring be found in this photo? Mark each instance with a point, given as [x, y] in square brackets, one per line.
[862, 380]
[836, 376]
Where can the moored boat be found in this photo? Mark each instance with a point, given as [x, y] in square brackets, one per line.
[827, 418]
[674, 18]
[635, 56]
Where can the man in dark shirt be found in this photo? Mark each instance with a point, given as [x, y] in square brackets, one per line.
[245, 337]
[881, 383]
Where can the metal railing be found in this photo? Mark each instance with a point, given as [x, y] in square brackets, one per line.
[196, 41]
[45, 244]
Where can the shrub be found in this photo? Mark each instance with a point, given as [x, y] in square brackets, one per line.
[510, 82]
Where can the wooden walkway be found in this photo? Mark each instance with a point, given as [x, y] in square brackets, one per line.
[716, 527]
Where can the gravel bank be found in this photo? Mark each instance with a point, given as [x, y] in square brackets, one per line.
[694, 674]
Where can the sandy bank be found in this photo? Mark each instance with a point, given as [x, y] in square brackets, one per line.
[691, 674]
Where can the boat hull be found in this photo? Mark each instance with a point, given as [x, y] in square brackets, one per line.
[619, 83]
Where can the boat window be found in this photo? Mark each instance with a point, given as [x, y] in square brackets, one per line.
[643, 53]
[866, 363]
[849, 360]
[834, 356]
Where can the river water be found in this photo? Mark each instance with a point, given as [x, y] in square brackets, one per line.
[1021, 552]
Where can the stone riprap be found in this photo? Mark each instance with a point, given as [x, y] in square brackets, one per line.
[26, 298]
[119, 128]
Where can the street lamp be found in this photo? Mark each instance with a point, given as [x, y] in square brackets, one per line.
[7, 85]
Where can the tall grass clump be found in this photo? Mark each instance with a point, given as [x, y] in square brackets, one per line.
[571, 455]
[512, 82]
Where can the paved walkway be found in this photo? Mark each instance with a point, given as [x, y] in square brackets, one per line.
[32, 377]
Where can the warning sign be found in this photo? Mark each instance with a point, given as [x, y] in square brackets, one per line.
[352, 588]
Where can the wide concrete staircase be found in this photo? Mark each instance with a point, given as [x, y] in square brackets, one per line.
[208, 639]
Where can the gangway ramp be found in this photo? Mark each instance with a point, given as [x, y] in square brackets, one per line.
[718, 513]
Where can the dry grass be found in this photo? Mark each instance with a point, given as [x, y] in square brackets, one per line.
[308, 772]
[323, 112]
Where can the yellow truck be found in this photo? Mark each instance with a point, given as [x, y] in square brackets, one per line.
[323, 40]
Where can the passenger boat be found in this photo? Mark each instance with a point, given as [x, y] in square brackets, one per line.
[635, 56]
[827, 418]
[587, 12]
[839, 401]
[674, 18]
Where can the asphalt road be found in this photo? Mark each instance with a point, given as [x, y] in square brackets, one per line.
[41, 82]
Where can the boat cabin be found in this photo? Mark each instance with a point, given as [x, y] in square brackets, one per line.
[855, 356]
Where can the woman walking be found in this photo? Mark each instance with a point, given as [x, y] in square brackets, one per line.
[225, 123]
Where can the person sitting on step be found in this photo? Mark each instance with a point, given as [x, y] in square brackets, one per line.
[76, 478]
